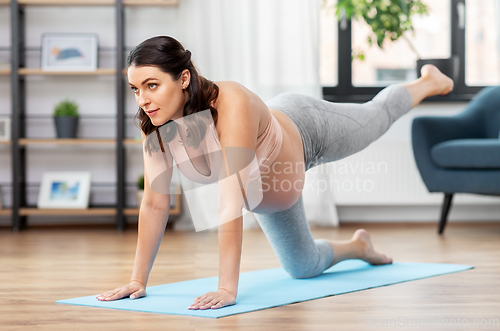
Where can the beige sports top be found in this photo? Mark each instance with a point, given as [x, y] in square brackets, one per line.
[267, 149]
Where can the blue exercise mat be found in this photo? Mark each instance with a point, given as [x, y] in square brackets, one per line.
[268, 288]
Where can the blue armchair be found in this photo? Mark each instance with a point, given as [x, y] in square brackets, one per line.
[461, 153]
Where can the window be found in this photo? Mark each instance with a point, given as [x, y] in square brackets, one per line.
[482, 42]
[440, 34]
[396, 62]
[328, 45]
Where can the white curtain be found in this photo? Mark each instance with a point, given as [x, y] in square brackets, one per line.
[269, 46]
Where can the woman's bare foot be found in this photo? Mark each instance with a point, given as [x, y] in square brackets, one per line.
[359, 247]
[432, 82]
[441, 83]
[367, 253]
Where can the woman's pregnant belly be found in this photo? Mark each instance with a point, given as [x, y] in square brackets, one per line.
[283, 182]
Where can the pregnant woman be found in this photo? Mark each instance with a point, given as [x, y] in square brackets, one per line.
[288, 135]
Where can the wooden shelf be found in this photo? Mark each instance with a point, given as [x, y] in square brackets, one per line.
[37, 71]
[132, 141]
[66, 2]
[5, 72]
[89, 211]
[6, 212]
[150, 2]
[4, 2]
[77, 141]
[93, 2]
[173, 211]
[131, 211]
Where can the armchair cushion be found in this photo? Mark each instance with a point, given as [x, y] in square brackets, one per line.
[467, 154]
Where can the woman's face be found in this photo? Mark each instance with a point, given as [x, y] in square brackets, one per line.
[161, 97]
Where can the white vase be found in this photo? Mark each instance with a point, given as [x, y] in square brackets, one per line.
[138, 195]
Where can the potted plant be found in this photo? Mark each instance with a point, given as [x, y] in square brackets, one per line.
[66, 119]
[140, 190]
[392, 19]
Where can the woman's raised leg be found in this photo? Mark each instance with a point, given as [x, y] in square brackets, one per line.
[331, 131]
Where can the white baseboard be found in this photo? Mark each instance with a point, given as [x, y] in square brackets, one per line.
[401, 214]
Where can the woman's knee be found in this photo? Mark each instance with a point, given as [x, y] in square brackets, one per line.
[312, 266]
[305, 266]
[302, 273]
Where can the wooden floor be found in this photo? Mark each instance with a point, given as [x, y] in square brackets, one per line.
[42, 265]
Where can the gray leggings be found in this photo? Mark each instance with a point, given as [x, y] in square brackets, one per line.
[330, 131]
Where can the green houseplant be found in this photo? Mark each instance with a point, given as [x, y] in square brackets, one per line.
[387, 18]
[391, 19]
[140, 190]
[66, 118]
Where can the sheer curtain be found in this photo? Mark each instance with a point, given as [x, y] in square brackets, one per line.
[269, 46]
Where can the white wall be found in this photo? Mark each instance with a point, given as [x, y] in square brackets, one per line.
[382, 182]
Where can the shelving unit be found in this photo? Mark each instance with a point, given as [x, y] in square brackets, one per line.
[48, 212]
[77, 141]
[40, 72]
[7, 212]
[18, 72]
[150, 2]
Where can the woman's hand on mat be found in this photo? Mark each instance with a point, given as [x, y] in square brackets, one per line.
[218, 299]
[135, 290]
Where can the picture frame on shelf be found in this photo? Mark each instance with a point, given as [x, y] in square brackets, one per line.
[69, 51]
[5, 129]
[64, 190]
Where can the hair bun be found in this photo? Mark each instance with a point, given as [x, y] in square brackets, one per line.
[188, 52]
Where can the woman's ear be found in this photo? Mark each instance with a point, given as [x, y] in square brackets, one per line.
[185, 78]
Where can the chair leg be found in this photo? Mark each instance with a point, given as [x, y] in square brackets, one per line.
[444, 211]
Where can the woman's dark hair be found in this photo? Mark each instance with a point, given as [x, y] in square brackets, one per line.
[168, 55]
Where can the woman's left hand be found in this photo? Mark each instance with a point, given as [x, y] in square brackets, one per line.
[218, 299]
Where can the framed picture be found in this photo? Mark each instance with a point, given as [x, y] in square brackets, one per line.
[4, 128]
[69, 51]
[64, 190]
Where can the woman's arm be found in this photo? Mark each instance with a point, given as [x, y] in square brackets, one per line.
[239, 129]
[230, 240]
[153, 216]
[154, 209]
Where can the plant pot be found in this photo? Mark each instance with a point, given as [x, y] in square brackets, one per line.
[66, 126]
[138, 195]
[450, 66]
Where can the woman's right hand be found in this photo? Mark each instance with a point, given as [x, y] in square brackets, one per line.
[135, 290]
